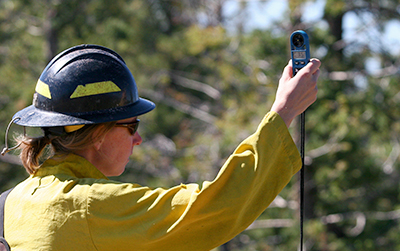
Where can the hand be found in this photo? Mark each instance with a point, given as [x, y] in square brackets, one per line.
[296, 94]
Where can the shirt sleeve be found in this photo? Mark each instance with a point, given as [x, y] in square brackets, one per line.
[189, 217]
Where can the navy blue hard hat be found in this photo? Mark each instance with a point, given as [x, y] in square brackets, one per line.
[86, 84]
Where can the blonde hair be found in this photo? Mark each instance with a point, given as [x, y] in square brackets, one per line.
[35, 150]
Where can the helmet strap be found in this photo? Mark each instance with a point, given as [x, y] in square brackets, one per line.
[51, 132]
[58, 131]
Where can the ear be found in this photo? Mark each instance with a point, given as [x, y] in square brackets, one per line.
[98, 138]
[98, 143]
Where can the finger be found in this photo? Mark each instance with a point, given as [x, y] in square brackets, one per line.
[287, 71]
[310, 68]
[314, 65]
[315, 75]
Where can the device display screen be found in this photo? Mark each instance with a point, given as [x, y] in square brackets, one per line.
[299, 54]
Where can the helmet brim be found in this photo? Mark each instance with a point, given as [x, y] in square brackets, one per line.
[34, 117]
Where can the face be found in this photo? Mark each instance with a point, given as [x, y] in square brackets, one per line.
[116, 147]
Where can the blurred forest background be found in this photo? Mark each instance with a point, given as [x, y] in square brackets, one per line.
[213, 82]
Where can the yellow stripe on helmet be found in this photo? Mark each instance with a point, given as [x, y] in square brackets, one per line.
[95, 89]
[43, 89]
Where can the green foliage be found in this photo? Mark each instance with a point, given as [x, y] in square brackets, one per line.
[212, 88]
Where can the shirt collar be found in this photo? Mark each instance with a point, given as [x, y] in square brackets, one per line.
[70, 164]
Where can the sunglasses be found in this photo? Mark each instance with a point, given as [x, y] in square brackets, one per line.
[132, 126]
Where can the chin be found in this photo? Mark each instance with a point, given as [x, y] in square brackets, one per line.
[116, 172]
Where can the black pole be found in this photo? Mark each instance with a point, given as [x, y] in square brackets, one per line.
[302, 151]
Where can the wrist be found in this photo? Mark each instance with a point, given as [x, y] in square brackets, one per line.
[284, 113]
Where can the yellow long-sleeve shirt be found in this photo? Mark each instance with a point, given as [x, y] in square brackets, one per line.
[70, 205]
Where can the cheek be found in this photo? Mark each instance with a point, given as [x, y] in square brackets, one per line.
[118, 144]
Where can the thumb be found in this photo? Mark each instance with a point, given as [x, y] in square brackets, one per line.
[287, 72]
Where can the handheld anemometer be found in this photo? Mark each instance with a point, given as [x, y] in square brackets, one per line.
[300, 53]
[300, 50]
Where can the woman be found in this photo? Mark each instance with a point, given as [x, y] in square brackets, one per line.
[87, 104]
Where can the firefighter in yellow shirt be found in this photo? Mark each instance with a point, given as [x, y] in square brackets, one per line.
[87, 104]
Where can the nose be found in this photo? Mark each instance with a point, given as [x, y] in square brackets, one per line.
[137, 139]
